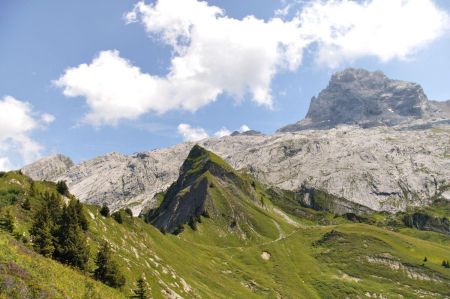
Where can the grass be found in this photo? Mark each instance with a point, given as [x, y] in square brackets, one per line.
[306, 260]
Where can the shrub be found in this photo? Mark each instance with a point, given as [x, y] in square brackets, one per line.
[104, 211]
[118, 217]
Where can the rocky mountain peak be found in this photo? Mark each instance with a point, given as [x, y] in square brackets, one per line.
[48, 168]
[206, 187]
[361, 97]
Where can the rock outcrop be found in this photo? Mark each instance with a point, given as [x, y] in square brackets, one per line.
[48, 168]
[422, 221]
[367, 99]
[385, 167]
[209, 188]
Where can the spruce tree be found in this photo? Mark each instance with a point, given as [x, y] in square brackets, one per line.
[104, 211]
[82, 220]
[118, 217]
[9, 224]
[41, 230]
[71, 246]
[62, 188]
[141, 290]
[107, 270]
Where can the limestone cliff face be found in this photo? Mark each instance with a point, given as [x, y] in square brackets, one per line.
[383, 168]
[48, 168]
[405, 161]
[368, 99]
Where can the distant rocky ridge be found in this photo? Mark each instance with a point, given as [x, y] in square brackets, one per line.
[381, 168]
[368, 99]
[405, 161]
[49, 168]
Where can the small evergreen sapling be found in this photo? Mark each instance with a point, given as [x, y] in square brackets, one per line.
[104, 211]
[141, 290]
[107, 270]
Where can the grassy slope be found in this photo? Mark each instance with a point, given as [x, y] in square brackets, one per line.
[202, 264]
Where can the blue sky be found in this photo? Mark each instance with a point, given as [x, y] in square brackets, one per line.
[228, 71]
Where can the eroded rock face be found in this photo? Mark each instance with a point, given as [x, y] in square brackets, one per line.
[383, 168]
[360, 97]
[406, 161]
[48, 168]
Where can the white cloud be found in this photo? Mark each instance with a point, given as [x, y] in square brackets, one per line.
[212, 54]
[190, 133]
[244, 128]
[222, 133]
[47, 118]
[216, 54]
[17, 121]
[387, 29]
[5, 164]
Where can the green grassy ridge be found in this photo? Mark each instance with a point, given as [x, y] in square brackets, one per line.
[210, 263]
[209, 188]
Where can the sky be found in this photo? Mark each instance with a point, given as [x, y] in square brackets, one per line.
[84, 78]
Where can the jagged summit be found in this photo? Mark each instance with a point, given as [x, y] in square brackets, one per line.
[189, 198]
[48, 168]
[209, 188]
[368, 99]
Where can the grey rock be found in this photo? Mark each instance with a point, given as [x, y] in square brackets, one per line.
[360, 97]
[247, 133]
[48, 168]
[382, 168]
[423, 221]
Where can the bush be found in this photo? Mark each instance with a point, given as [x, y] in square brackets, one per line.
[104, 211]
[62, 188]
[118, 217]
[129, 212]
[107, 270]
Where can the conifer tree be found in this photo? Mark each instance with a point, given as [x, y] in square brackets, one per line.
[118, 217]
[41, 230]
[71, 245]
[107, 270]
[62, 188]
[82, 220]
[9, 224]
[104, 211]
[141, 290]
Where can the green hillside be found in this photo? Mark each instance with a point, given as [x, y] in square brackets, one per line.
[243, 240]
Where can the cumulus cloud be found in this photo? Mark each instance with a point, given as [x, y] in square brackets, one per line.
[17, 121]
[190, 133]
[222, 133]
[213, 54]
[216, 54]
[346, 30]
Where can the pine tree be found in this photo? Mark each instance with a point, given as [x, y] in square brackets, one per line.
[62, 188]
[104, 211]
[107, 270]
[9, 224]
[71, 246]
[425, 259]
[33, 191]
[54, 205]
[118, 217]
[82, 220]
[141, 290]
[41, 230]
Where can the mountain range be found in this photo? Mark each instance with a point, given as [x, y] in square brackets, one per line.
[366, 138]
